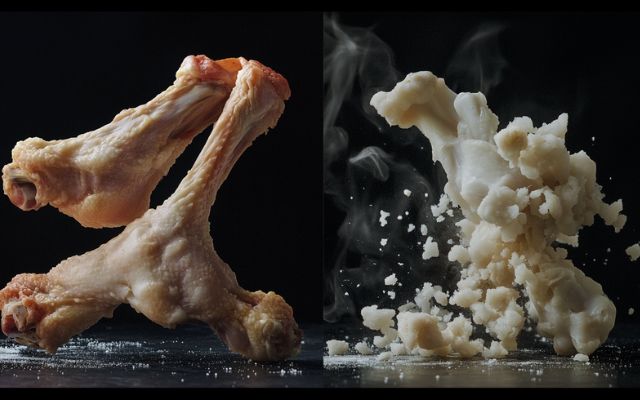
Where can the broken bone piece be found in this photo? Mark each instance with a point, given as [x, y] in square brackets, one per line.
[633, 251]
[164, 264]
[104, 178]
[337, 347]
[520, 191]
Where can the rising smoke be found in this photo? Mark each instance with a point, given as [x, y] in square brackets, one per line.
[368, 166]
[363, 176]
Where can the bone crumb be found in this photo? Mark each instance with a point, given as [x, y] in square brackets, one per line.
[384, 356]
[407, 192]
[630, 311]
[363, 348]
[377, 319]
[441, 207]
[406, 307]
[633, 252]
[337, 347]
[430, 249]
[411, 228]
[581, 357]
[390, 280]
[398, 349]
[423, 230]
[383, 242]
[383, 217]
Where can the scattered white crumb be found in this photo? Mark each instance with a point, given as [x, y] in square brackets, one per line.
[593, 138]
[384, 356]
[383, 217]
[581, 357]
[383, 242]
[423, 229]
[390, 280]
[337, 347]
[437, 377]
[630, 311]
[407, 192]
[363, 348]
[406, 307]
[450, 212]
[426, 195]
[346, 293]
[400, 264]
[411, 228]
[430, 249]
[398, 349]
[391, 294]
[441, 207]
[494, 351]
[633, 251]
[440, 297]
[440, 218]
[377, 319]
[399, 217]
[450, 241]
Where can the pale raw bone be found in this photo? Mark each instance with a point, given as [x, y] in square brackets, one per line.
[520, 192]
[164, 263]
[104, 178]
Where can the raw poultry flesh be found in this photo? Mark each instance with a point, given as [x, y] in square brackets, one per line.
[164, 264]
[104, 178]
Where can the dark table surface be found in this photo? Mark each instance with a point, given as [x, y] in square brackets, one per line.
[145, 355]
[615, 364]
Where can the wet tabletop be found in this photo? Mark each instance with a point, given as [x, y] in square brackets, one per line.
[144, 355]
[191, 356]
[615, 364]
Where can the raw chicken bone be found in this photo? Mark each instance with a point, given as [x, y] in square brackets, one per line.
[104, 178]
[164, 263]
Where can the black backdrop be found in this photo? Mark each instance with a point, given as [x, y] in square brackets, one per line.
[583, 64]
[63, 74]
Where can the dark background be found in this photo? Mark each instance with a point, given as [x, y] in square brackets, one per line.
[67, 73]
[583, 64]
